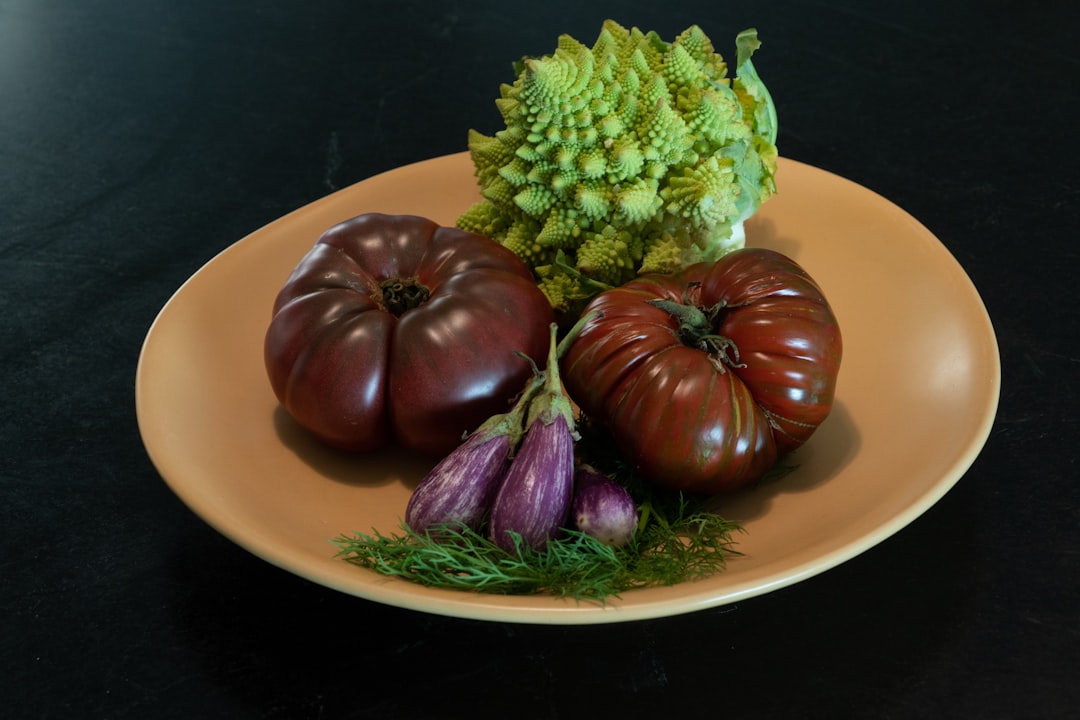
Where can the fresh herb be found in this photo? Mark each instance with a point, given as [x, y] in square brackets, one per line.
[677, 541]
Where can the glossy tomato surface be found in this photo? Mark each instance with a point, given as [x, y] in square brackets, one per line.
[395, 328]
[705, 389]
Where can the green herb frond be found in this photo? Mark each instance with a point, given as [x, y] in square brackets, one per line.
[575, 565]
[678, 539]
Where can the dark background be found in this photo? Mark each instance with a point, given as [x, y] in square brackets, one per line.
[139, 139]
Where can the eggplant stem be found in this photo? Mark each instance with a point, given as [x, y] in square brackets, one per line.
[537, 372]
[575, 330]
[551, 401]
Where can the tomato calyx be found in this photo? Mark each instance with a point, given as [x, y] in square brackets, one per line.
[401, 295]
[696, 330]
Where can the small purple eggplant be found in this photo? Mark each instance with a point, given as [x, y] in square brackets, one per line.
[602, 507]
[460, 489]
[534, 498]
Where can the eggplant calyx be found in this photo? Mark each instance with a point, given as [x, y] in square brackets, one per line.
[551, 401]
[512, 423]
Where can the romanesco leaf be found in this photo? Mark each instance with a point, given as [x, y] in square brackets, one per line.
[763, 109]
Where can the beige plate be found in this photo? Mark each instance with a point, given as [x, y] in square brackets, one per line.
[916, 399]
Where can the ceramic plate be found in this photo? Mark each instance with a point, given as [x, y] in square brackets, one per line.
[915, 402]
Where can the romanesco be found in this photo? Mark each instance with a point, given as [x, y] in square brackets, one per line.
[635, 155]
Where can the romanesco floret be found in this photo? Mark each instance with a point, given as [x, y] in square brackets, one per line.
[633, 155]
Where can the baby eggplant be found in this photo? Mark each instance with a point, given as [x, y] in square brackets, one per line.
[534, 498]
[602, 507]
[459, 490]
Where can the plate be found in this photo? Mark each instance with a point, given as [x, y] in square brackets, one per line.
[915, 401]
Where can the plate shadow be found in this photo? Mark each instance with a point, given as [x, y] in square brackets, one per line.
[832, 447]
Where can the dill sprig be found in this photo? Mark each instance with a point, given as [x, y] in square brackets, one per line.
[667, 549]
[678, 539]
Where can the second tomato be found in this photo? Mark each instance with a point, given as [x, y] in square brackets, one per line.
[706, 377]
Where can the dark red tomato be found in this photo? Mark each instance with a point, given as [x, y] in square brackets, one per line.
[394, 328]
[706, 377]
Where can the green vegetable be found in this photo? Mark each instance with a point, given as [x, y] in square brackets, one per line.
[632, 156]
[676, 543]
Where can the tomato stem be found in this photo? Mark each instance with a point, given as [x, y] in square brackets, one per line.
[401, 295]
[692, 320]
[696, 330]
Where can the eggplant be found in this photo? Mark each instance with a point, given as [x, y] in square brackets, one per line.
[534, 498]
[602, 508]
[460, 488]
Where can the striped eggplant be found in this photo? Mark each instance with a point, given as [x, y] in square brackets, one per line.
[534, 498]
[602, 507]
[459, 490]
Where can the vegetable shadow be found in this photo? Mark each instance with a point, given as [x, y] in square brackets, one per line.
[762, 232]
[828, 451]
[388, 465]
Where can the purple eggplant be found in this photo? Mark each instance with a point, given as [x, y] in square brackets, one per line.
[534, 498]
[602, 507]
[460, 489]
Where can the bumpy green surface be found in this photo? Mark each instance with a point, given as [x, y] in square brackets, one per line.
[634, 155]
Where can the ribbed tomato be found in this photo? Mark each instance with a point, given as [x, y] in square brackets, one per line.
[393, 327]
[706, 377]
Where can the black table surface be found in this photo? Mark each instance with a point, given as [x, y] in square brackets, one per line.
[139, 139]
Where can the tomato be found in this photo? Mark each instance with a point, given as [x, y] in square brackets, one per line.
[393, 328]
[706, 377]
